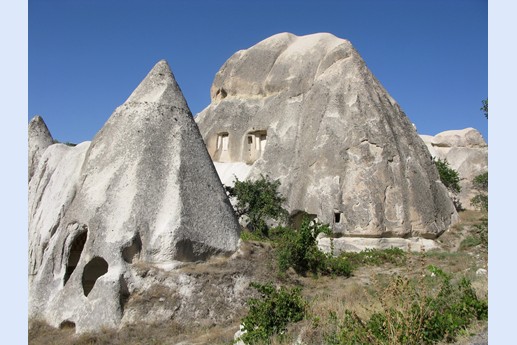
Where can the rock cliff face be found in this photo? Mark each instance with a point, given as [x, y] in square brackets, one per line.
[467, 153]
[143, 191]
[307, 110]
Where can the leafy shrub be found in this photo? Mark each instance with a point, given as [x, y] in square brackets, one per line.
[272, 312]
[299, 249]
[449, 177]
[337, 266]
[376, 257]
[480, 201]
[247, 235]
[259, 201]
[484, 108]
[470, 241]
[480, 183]
[479, 237]
[411, 313]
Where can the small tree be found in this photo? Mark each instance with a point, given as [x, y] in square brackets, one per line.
[449, 177]
[299, 249]
[259, 201]
[480, 183]
[484, 108]
[271, 313]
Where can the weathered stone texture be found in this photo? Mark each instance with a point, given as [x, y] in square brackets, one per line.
[466, 152]
[307, 111]
[144, 190]
[39, 139]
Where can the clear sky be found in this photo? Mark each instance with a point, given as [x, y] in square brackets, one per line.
[87, 56]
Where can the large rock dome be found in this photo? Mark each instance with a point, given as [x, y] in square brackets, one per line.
[307, 111]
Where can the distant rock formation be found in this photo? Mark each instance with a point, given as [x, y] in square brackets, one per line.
[467, 153]
[307, 111]
[39, 139]
[143, 191]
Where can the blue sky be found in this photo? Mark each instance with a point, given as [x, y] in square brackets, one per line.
[86, 57]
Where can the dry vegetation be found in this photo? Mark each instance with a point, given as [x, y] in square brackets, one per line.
[366, 291]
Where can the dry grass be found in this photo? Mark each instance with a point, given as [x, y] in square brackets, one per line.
[149, 334]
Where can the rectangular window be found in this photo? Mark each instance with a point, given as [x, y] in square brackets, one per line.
[225, 142]
[263, 142]
[222, 141]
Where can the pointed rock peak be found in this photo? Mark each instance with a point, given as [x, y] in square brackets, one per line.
[159, 86]
[39, 130]
[39, 139]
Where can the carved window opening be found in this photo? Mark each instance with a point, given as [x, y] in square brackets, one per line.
[256, 145]
[222, 141]
[297, 217]
[222, 148]
[337, 217]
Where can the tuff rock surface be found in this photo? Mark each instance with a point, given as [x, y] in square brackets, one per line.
[39, 139]
[307, 111]
[144, 191]
[466, 152]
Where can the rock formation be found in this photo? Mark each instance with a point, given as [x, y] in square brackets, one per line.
[143, 191]
[466, 152]
[307, 111]
[39, 139]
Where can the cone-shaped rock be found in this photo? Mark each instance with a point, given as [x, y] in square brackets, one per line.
[39, 139]
[308, 111]
[146, 191]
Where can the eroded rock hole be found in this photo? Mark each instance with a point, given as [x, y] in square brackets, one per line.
[74, 255]
[132, 251]
[123, 293]
[222, 93]
[187, 250]
[94, 269]
[67, 325]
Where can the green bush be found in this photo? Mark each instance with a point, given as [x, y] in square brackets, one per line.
[480, 183]
[479, 237]
[375, 257]
[449, 177]
[259, 201]
[484, 108]
[299, 249]
[412, 313]
[271, 313]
